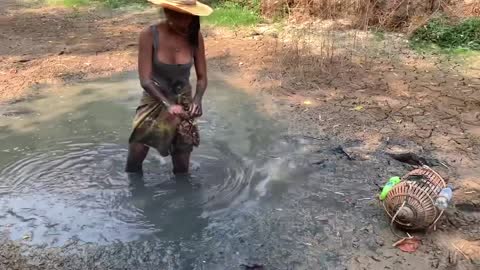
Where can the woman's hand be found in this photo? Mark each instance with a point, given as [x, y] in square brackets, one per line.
[177, 110]
[196, 108]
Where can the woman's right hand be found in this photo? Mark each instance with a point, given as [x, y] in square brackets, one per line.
[177, 110]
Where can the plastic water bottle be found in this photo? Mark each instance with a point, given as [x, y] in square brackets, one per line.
[444, 198]
[388, 186]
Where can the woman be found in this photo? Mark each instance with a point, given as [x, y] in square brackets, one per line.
[165, 117]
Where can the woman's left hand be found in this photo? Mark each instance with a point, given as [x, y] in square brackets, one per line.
[196, 108]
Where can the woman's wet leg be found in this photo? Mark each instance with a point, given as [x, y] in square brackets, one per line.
[137, 153]
[181, 162]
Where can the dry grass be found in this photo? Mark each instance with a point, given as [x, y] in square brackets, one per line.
[323, 9]
[332, 35]
[388, 14]
[313, 52]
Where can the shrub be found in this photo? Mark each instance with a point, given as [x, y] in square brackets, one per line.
[447, 35]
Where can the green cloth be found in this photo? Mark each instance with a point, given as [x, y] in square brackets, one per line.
[155, 127]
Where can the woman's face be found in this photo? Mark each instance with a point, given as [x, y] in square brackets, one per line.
[181, 21]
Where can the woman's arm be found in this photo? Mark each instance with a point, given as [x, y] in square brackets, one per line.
[145, 51]
[202, 81]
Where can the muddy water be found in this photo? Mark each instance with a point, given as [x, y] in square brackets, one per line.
[255, 196]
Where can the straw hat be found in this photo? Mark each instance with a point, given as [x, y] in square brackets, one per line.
[186, 6]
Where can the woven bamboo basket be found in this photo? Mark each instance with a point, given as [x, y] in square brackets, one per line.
[411, 203]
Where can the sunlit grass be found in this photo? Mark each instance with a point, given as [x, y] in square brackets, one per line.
[68, 3]
[232, 15]
[442, 36]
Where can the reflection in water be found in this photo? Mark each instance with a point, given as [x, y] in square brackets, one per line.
[71, 159]
[173, 208]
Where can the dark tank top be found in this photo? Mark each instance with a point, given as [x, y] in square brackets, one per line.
[169, 77]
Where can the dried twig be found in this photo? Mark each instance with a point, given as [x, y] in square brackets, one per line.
[461, 252]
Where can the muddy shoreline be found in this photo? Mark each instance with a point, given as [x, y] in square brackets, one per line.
[415, 105]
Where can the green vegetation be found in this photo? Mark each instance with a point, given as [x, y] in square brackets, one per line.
[379, 34]
[107, 3]
[253, 5]
[234, 14]
[441, 34]
[68, 3]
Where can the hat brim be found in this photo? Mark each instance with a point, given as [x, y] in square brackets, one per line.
[199, 9]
